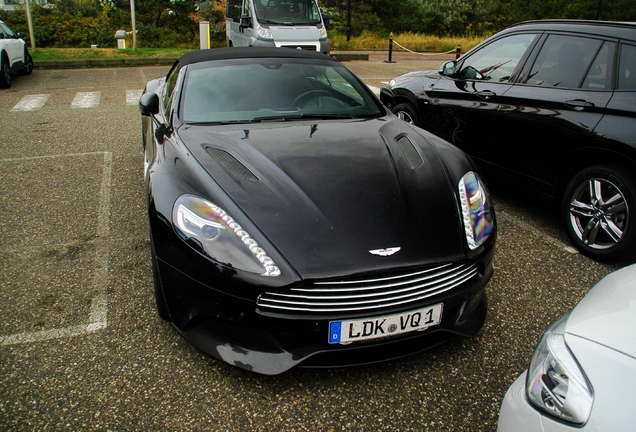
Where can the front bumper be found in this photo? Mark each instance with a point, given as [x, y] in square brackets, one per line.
[232, 329]
[516, 414]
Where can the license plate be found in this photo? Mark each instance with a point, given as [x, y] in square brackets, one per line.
[345, 332]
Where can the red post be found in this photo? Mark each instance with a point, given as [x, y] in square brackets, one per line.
[458, 51]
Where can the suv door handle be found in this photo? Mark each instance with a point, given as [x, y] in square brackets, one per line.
[487, 94]
[579, 104]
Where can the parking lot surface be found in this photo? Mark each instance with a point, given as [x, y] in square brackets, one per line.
[81, 347]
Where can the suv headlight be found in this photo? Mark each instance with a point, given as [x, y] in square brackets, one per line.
[476, 209]
[555, 383]
[219, 236]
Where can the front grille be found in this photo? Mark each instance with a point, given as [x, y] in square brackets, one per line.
[302, 47]
[360, 294]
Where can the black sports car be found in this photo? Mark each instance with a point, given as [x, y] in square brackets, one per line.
[295, 220]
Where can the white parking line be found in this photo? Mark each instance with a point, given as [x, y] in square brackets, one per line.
[31, 102]
[132, 96]
[98, 318]
[86, 99]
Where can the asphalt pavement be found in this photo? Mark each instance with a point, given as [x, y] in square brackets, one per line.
[81, 347]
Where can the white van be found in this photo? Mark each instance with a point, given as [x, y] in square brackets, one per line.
[280, 23]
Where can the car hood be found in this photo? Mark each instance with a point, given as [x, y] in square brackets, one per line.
[419, 80]
[607, 314]
[326, 193]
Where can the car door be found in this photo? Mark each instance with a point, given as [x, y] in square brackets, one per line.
[465, 99]
[561, 98]
[618, 125]
[11, 44]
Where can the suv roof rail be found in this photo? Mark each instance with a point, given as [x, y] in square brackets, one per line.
[578, 22]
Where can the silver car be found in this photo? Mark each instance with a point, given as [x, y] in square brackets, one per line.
[582, 375]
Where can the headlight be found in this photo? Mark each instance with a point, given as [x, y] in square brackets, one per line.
[322, 33]
[264, 33]
[555, 382]
[476, 209]
[224, 240]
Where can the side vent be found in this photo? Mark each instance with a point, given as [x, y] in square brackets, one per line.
[231, 164]
[410, 152]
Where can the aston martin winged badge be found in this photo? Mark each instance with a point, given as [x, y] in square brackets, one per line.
[385, 252]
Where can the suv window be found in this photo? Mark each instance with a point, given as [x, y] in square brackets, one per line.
[4, 31]
[498, 60]
[563, 60]
[627, 68]
[599, 76]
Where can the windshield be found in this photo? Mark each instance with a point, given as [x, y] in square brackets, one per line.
[287, 11]
[248, 90]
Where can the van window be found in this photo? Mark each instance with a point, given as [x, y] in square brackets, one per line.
[287, 11]
[233, 10]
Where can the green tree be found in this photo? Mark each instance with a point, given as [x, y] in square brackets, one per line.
[160, 23]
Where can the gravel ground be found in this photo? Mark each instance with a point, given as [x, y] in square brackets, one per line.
[82, 348]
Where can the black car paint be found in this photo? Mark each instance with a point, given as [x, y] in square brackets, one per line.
[323, 193]
[472, 125]
[538, 136]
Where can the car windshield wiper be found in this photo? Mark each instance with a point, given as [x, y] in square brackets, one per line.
[328, 116]
[275, 118]
[303, 116]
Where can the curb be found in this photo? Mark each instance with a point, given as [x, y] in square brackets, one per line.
[148, 61]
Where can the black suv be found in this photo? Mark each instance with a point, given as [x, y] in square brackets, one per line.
[551, 104]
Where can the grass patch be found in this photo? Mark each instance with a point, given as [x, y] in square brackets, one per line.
[411, 41]
[104, 53]
[367, 41]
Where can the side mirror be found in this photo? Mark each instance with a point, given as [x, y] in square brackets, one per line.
[20, 35]
[246, 21]
[386, 97]
[448, 68]
[326, 20]
[149, 104]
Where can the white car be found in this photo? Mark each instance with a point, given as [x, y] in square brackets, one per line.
[14, 56]
[582, 376]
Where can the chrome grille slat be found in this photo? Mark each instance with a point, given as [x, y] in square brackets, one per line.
[374, 293]
[430, 280]
[437, 270]
[354, 295]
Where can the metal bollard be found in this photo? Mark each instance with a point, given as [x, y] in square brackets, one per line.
[120, 35]
[204, 34]
[390, 60]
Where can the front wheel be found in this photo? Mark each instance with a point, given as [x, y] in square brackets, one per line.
[28, 64]
[406, 112]
[598, 209]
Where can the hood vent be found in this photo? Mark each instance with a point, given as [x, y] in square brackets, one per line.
[231, 164]
[410, 152]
